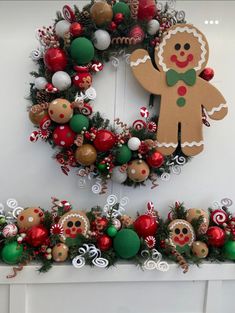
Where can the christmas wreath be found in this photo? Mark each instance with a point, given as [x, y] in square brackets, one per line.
[103, 235]
[70, 53]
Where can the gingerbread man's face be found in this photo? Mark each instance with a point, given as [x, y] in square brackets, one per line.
[182, 233]
[73, 224]
[183, 48]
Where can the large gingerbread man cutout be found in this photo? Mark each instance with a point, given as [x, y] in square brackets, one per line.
[180, 58]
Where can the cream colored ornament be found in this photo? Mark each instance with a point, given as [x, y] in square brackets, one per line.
[200, 249]
[74, 223]
[30, 217]
[60, 252]
[138, 171]
[60, 111]
[195, 214]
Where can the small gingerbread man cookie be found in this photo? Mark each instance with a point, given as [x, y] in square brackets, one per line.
[180, 58]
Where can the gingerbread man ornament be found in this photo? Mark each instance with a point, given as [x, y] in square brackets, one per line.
[180, 58]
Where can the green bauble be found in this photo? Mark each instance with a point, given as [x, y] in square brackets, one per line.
[102, 167]
[82, 50]
[121, 7]
[78, 122]
[123, 154]
[112, 231]
[229, 250]
[126, 243]
[12, 252]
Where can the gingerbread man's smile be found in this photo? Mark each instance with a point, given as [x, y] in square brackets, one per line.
[181, 64]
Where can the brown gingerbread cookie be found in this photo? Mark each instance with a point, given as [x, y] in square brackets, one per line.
[180, 58]
[73, 224]
[30, 217]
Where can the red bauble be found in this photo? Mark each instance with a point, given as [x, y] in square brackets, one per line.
[216, 236]
[145, 225]
[104, 140]
[112, 26]
[63, 136]
[55, 59]
[99, 224]
[76, 29]
[137, 33]
[147, 9]
[156, 159]
[104, 243]
[82, 80]
[207, 73]
[37, 235]
[119, 18]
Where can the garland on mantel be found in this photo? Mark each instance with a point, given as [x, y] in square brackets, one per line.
[70, 52]
[103, 235]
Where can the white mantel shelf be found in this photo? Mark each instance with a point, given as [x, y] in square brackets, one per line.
[122, 272]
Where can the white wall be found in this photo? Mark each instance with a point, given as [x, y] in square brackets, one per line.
[28, 173]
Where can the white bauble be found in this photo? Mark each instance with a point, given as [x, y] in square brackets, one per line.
[40, 83]
[61, 80]
[101, 39]
[61, 28]
[134, 143]
[153, 27]
[118, 176]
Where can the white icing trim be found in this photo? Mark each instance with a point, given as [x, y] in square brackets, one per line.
[139, 61]
[181, 30]
[191, 144]
[167, 145]
[217, 109]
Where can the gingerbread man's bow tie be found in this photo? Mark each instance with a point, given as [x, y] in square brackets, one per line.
[189, 77]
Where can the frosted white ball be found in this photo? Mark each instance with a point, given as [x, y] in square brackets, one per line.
[61, 80]
[101, 39]
[134, 143]
[40, 83]
[61, 28]
[118, 176]
[153, 27]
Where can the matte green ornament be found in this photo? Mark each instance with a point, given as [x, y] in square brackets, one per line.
[82, 50]
[102, 167]
[112, 231]
[121, 7]
[126, 243]
[229, 250]
[78, 122]
[12, 252]
[123, 154]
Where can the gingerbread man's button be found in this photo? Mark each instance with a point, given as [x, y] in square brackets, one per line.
[182, 90]
[181, 101]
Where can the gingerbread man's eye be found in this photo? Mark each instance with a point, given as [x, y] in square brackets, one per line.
[177, 46]
[177, 231]
[70, 224]
[187, 46]
[77, 223]
[185, 231]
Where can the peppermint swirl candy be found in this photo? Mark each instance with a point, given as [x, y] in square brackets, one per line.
[219, 217]
[86, 109]
[36, 54]
[139, 124]
[144, 112]
[68, 13]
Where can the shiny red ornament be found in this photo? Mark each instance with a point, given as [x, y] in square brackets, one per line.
[147, 9]
[63, 136]
[37, 236]
[104, 140]
[104, 243]
[112, 26]
[55, 59]
[156, 159]
[145, 225]
[207, 74]
[119, 18]
[99, 224]
[76, 29]
[216, 236]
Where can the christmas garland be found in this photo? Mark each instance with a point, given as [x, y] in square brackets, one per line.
[71, 51]
[103, 235]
